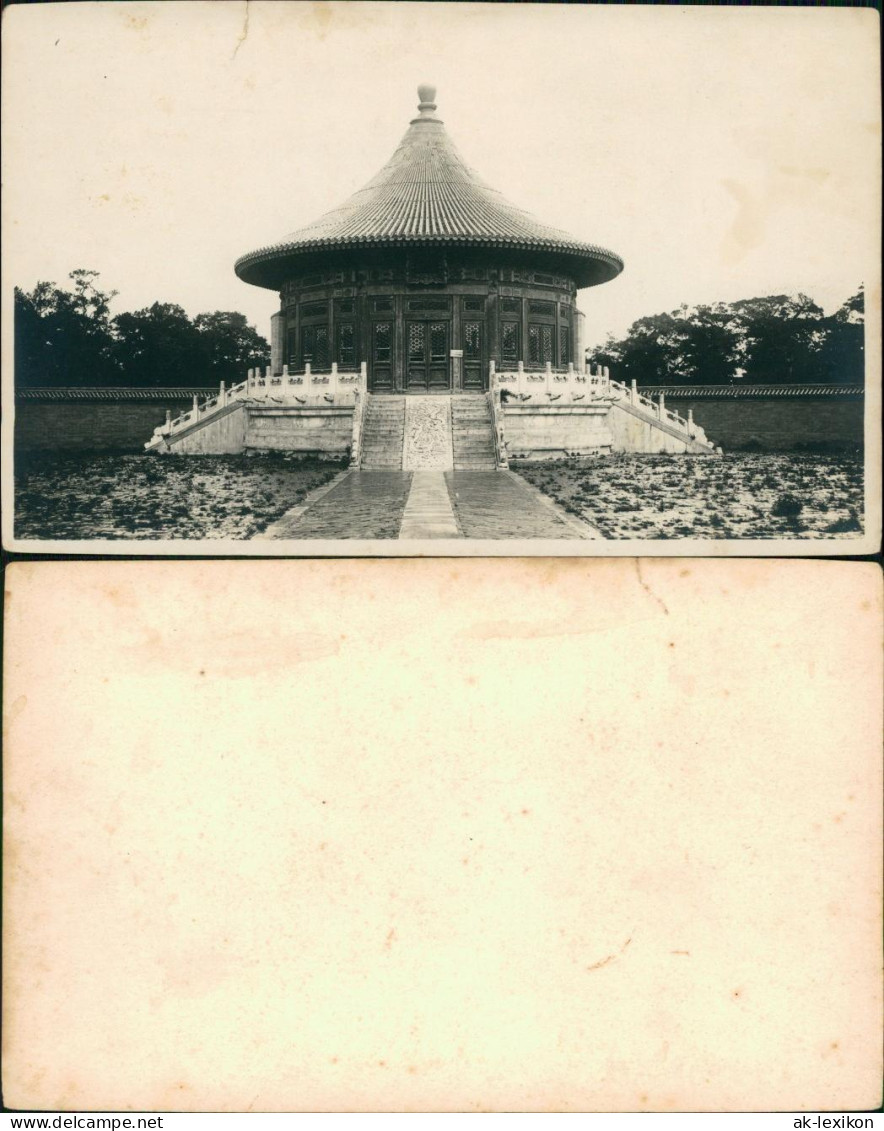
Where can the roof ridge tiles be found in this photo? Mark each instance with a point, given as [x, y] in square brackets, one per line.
[427, 193]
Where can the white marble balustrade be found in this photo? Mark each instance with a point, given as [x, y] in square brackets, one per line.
[332, 386]
[548, 385]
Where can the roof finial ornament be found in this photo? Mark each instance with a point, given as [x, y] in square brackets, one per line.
[427, 96]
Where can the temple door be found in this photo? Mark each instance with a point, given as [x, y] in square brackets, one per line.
[428, 364]
[474, 365]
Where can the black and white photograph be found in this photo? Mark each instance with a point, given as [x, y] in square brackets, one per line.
[441, 278]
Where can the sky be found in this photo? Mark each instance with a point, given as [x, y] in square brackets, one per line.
[723, 153]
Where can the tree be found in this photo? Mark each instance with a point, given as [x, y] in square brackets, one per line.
[229, 345]
[64, 337]
[843, 352]
[67, 337]
[771, 339]
[159, 346]
[710, 346]
[782, 339]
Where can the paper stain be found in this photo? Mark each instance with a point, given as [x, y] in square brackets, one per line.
[235, 655]
[785, 185]
[610, 957]
[16, 708]
[647, 588]
[244, 34]
[525, 630]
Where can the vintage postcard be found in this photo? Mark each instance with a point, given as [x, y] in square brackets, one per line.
[455, 279]
[606, 836]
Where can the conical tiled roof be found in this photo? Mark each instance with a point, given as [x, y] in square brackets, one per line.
[426, 194]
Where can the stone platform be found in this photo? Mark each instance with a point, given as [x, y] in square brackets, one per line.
[428, 505]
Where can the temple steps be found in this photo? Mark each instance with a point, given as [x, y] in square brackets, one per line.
[383, 434]
[472, 433]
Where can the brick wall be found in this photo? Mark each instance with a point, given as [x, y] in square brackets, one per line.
[121, 427]
[769, 422]
[775, 423]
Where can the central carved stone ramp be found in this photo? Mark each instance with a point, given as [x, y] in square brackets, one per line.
[383, 434]
[472, 432]
[427, 434]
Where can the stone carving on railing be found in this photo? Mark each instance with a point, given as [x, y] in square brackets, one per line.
[500, 450]
[561, 387]
[335, 386]
[359, 411]
[548, 385]
[658, 408]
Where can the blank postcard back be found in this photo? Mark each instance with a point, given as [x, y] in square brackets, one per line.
[439, 835]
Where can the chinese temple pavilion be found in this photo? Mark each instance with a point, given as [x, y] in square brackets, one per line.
[424, 268]
[427, 322]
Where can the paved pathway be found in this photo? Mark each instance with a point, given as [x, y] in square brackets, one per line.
[357, 504]
[428, 512]
[428, 504]
[500, 504]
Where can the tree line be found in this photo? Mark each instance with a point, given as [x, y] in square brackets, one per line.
[778, 339]
[67, 337]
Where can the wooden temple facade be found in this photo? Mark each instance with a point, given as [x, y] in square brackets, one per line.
[424, 324]
[428, 275]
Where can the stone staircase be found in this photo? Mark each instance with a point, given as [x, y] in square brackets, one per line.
[472, 433]
[383, 433]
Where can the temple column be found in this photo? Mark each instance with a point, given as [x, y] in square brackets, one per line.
[277, 333]
[579, 339]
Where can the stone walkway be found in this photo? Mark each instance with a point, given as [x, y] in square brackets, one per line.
[428, 504]
[428, 512]
[357, 504]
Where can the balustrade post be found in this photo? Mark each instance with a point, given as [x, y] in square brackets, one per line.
[633, 391]
[690, 422]
[196, 407]
[661, 407]
[168, 419]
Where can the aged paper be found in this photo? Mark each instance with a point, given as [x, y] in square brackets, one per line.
[442, 835]
[723, 151]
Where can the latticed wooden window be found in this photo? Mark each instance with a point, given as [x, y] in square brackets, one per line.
[540, 344]
[314, 346]
[383, 304]
[438, 338]
[534, 345]
[346, 344]
[509, 341]
[544, 308]
[511, 305]
[416, 341]
[383, 341]
[472, 340]
[474, 304]
[314, 310]
[564, 346]
[546, 346]
[322, 359]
